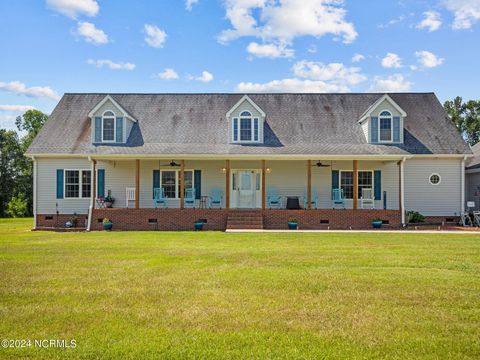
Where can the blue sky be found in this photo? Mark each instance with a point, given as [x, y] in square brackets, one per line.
[55, 46]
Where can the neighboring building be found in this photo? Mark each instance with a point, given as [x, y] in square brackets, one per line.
[473, 177]
[253, 151]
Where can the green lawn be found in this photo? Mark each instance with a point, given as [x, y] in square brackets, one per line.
[214, 295]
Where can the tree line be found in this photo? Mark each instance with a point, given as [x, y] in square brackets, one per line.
[16, 170]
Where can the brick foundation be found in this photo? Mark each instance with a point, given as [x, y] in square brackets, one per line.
[58, 221]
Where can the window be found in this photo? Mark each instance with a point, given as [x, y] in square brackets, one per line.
[365, 181]
[385, 126]
[170, 182]
[346, 183]
[108, 126]
[78, 184]
[435, 179]
[246, 128]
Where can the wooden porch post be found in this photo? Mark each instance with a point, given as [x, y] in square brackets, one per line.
[264, 174]
[227, 184]
[182, 184]
[355, 183]
[94, 182]
[309, 184]
[137, 183]
[401, 179]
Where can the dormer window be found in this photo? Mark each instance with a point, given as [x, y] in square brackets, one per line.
[108, 126]
[245, 128]
[385, 128]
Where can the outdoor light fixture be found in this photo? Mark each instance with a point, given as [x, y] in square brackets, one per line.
[224, 170]
[268, 170]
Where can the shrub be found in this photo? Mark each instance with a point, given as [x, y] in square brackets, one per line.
[415, 217]
[17, 206]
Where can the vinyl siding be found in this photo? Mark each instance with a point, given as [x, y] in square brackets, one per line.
[443, 199]
[384, 105]
[127, 124]
[246, 106]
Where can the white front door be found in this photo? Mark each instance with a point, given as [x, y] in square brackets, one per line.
[246, 189]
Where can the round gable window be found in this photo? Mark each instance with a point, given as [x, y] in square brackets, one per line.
[435, 179]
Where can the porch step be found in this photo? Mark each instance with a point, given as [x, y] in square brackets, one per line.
[244, 219]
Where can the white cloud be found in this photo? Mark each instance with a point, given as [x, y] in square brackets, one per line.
[16, 108]
[112, 65]
[168, 74]
[205, 77]
[270, 50]
[357, 58]
[432, 21]
[428, 59]
[392, 60]
[466, 12]
[393, 83]
[73, 8]
[91, 34]
[290, 86]
[189, 4]
[392, 22]
[20, 88]
[155, 37]
[284, 20]
[335, 73]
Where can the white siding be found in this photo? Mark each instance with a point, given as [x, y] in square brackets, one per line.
[443, 199]
[47, 187]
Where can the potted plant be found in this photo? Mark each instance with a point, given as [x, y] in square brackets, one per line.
[107, 224]
[198, 225]
[377, 223]
[292, 224]
[109, 200]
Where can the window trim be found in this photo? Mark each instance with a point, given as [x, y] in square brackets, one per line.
[379, 126]
[80, 185]
[430, 179]
[114, 117]
[177, 180]
[358, 187]
[252, 128]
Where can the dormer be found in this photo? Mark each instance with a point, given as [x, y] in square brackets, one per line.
[111, 124]
[245, 122]
[383, 122]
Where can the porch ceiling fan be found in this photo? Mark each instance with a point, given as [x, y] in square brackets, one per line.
[171, 163]
[320, 164]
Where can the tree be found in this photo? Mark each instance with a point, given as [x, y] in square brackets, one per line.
[11, 167]
[31, 122]
[18, 206]
[466, 117]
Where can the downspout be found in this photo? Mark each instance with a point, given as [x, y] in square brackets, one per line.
[92, 197]
[34, 205]
[402, 189]
[462, 186]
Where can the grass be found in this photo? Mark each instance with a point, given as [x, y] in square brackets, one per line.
[217, 296]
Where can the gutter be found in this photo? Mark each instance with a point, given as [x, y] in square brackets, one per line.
[35, 170]
[92, 196]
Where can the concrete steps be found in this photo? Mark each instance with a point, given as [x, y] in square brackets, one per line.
[244, 219]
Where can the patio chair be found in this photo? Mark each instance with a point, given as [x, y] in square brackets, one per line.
[367, 199]
[215, 198]
[273, 199]
[313, 199]
[465, 219]
[189, 199]
[129, 195]
[159, 198]
[337, 198]
[476, 218]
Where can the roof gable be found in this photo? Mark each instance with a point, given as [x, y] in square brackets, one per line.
[374, 106]
[240, 102]
[107, 98]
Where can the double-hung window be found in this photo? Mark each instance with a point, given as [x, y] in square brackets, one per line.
[385, 127]
[170, 182]
[364, 181]
[108, 126]
[78, 184]
[245, 128]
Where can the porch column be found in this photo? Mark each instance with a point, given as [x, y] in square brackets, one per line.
[309, 184]
[182, 184]
[355, 183]
[93, 193]
[264, 174]
[401, 173]
[227, 184]
[137, 183]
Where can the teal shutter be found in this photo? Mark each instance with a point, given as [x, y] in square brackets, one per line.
[377, 186]
[156, 182]
[59, 183]
[374, 129]
[98, 129]
[197, 179]
[396, 129]
[335, 179]
[100, 183]
[119, 130]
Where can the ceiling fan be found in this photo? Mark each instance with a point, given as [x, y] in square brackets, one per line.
[171, 163]
[320, 164]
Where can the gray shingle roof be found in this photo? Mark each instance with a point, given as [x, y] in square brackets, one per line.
[295, 124]
[474, 162]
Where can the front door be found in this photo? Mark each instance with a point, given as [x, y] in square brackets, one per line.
[245, 189]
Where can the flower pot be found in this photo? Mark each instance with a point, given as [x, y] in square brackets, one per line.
[107, 226]
[108, 204]
[198, 226]
[376, 224]
[292, 225]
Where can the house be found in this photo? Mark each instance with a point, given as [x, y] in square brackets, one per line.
[343, 159]
[473, 177]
